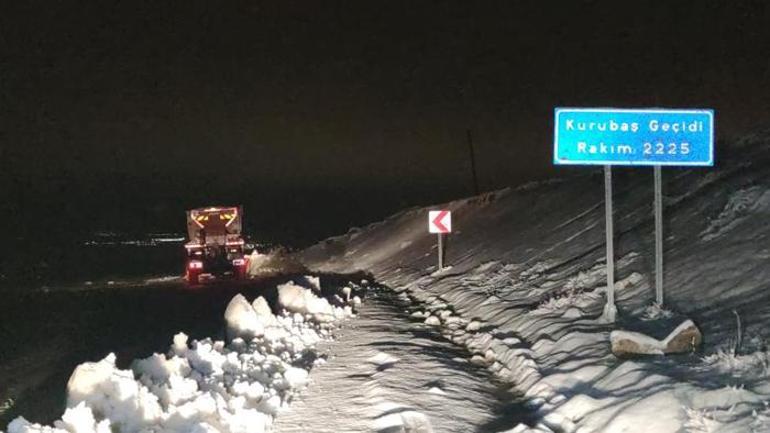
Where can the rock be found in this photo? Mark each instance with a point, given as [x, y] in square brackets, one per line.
[684, 338]
[627, 343]
[433, 321]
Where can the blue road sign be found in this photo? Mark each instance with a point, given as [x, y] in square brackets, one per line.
[612, 136]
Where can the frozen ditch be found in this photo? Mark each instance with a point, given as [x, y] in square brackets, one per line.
[238, 385]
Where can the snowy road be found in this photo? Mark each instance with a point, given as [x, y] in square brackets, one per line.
[389, 373]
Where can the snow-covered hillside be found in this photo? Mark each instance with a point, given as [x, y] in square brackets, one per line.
[527, 276]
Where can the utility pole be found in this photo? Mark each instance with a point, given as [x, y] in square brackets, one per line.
[473, 163]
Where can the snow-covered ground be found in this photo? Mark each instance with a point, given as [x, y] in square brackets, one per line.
[238, 385]
[387, 372]
[523, 296]
[525, 292]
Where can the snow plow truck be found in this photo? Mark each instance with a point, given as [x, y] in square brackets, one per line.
[215, 245]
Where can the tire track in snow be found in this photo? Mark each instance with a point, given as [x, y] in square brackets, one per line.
[387, 374]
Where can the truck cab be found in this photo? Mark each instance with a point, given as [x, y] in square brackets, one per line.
[215, 247]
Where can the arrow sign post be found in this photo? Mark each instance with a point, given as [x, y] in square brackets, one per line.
[440, 222]
[632, 137]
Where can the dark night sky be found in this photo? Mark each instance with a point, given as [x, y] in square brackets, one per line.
[144, 108]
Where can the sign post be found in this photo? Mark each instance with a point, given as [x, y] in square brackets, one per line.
[658, 236]
[633, 137]
[610, 310]
[440, 251]
[440, 222]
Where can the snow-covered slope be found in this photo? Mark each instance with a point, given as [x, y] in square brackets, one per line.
[527, 269]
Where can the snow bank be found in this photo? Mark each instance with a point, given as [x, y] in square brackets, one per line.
[204, 386]
[274, 262]
[256, 262]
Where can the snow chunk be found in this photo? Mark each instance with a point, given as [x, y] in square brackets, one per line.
[81, 419]
[408, 421]
[347, 291]
[436, 390]
[301, 300]
[382, 358]
[180, 344]
[21, 425]
[264, 312]
[242, 320]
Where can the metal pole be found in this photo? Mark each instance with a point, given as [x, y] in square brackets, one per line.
[658, 237]
[473, 162]
[610, 310]
[440, 251]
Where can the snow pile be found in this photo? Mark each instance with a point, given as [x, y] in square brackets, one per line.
[204, 386]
